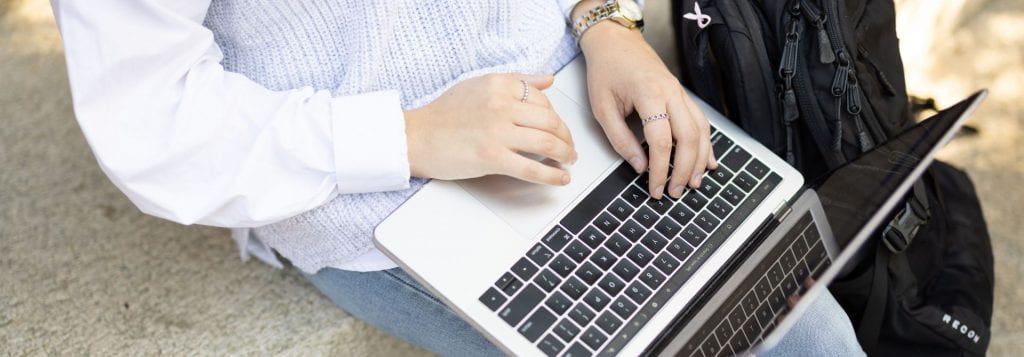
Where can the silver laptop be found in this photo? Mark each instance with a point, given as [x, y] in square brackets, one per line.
[598, 267]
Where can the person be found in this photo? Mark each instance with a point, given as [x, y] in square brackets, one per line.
[302, 124]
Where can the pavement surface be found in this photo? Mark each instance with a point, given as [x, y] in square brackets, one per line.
[83, 272]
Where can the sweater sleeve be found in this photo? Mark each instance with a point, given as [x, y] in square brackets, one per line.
[187, 141]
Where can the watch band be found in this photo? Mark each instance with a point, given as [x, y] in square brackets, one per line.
[608, 10]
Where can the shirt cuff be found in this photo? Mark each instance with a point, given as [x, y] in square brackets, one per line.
[370, 148]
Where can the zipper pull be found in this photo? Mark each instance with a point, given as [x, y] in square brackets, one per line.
[853, 107]
[839, 81]
[825, 53]
[790, 113]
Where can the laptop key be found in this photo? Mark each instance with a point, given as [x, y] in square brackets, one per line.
[596, 299]
[735, 159]
[632, 230]
[787, 260]
[679, 249]
[558, 303]
[537, 324]
[732, 194]
[666, 263]
[603, 258]
[550, 345]
[681, 214]
[757, 168]
[645, 216]
[607, 223]
[556, 238]
[581, 314]
[611, 284]
[508, 284]
[577, 350]
[577, 251]
[654, 241]
[800, 273]
[540, 254]
[720, 144]
[719, 208]
[524, 269]
[573, 287]
[492, 299]
[709, 188]
[620, 209]
[694, 200]
[693, 235]
[638, 292]
[547, 280]
[593, 338]
[721, 175]
[789, 285]
[562, 265]
[589, 273]
[706, 221]
[762, 289]
[751, 329]
[592, 236]
[608, 322]
[566, 330]
[745, 181]
[661, 206]
[634, 195]
[749, 303]
[668, 227]
[516, 310]
[724, 330]
[799, 248]
[640, 255]
[617, 244]
[736, 317]
[626, 270]
[775, 274]
[652, 277]
[623, 307]
[764, 315]
[710, 346]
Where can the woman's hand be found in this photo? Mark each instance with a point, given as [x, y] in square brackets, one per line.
[624, 74]
[481, 127]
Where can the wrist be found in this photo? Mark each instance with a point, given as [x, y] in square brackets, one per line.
[606, 35]
[582, 7]
[412, 139]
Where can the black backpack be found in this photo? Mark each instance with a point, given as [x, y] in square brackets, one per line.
[819, 82]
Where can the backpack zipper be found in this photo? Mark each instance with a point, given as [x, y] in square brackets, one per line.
[787, 70]
[826, 54]
[841, 82]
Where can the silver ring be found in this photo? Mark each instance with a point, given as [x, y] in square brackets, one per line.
[526, 91]
[654, 117]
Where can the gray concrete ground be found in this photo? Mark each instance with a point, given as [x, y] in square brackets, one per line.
[82, 272]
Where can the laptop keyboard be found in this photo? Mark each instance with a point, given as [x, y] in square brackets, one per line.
[597, 277]
[752, 309]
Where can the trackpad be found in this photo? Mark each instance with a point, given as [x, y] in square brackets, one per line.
[527, 207]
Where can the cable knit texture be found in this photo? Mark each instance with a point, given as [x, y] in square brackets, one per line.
[419, 48]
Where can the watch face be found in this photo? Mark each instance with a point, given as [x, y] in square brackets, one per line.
[630, 10]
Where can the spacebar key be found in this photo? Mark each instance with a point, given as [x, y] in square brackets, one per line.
[595, 201]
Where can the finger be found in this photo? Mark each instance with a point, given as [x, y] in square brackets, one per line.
[622, 139]
[539, 81]
[792, 300]
[659, 147]
[703, 144]
[530, 170]
[533, 141]
[696, 112]
[544, 119]
[685, 133]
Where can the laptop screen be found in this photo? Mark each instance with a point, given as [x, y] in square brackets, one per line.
[859, 197]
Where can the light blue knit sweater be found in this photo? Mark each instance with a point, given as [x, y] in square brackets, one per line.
[419, 48]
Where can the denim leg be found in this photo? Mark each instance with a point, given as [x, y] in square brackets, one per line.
[394, 303]
[823, 330]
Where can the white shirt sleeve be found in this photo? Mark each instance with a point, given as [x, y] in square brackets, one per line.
[188, 141]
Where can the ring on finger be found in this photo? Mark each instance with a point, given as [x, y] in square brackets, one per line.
[526, 91]
[653, 118]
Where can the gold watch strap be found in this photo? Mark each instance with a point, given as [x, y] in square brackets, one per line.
[592, 17]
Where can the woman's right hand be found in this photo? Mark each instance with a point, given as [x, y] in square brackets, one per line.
[480, 127]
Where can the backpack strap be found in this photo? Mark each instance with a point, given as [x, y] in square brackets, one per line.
[891, 267]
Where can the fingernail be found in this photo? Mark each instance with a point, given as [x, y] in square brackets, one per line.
[676, 191]
[696, 180]
[658, 191]
[565, 179]
[637, 162]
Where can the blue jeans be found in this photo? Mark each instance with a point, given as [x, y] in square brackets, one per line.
[395, 303]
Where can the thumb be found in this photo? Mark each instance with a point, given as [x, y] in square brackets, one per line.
[539, 81]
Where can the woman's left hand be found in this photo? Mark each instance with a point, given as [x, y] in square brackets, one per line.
[624, 75]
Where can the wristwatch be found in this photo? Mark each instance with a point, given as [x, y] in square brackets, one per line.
[624, 12]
